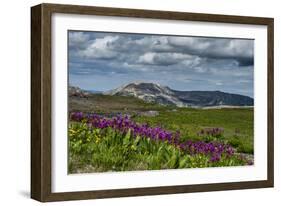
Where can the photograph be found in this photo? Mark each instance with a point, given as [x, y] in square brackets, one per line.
[133, 102]
[153, 102]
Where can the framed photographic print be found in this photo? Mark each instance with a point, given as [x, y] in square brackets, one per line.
[130, 102]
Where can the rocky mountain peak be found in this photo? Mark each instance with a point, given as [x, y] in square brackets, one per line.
[152, 92]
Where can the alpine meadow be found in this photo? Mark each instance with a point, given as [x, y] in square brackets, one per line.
[151, 102]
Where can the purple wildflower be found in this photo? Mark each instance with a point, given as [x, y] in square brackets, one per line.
[123, 124]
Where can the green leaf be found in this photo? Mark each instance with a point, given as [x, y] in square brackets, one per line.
[184, 162]
[137, 140]
[126, 140]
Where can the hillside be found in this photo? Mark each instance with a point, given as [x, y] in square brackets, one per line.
[150, 92]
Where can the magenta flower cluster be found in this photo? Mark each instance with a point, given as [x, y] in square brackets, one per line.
[124, 124]
[214, 150]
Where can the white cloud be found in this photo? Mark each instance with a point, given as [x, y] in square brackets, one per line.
[167, 59]
[78, 38]
[214, 47]
[100, 48]
[162, 50]
[182, 62]
[190, 43]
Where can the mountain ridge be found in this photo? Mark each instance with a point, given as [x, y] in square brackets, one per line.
[152, 92]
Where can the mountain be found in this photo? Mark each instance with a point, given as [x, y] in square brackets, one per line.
[77, 92]
[151, 92]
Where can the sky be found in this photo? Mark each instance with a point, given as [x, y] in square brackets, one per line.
[102, 61]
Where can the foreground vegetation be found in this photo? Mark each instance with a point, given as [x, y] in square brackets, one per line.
[99, 144]
[237, 123]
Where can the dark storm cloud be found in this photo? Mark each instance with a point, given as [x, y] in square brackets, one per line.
[216, 48]
[212, 62]
[245, 61]
[158, 50]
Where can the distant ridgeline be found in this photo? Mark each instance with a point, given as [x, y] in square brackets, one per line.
[77, 92]
[151, 92]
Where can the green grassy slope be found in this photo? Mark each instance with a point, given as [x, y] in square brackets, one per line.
[236, 122]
